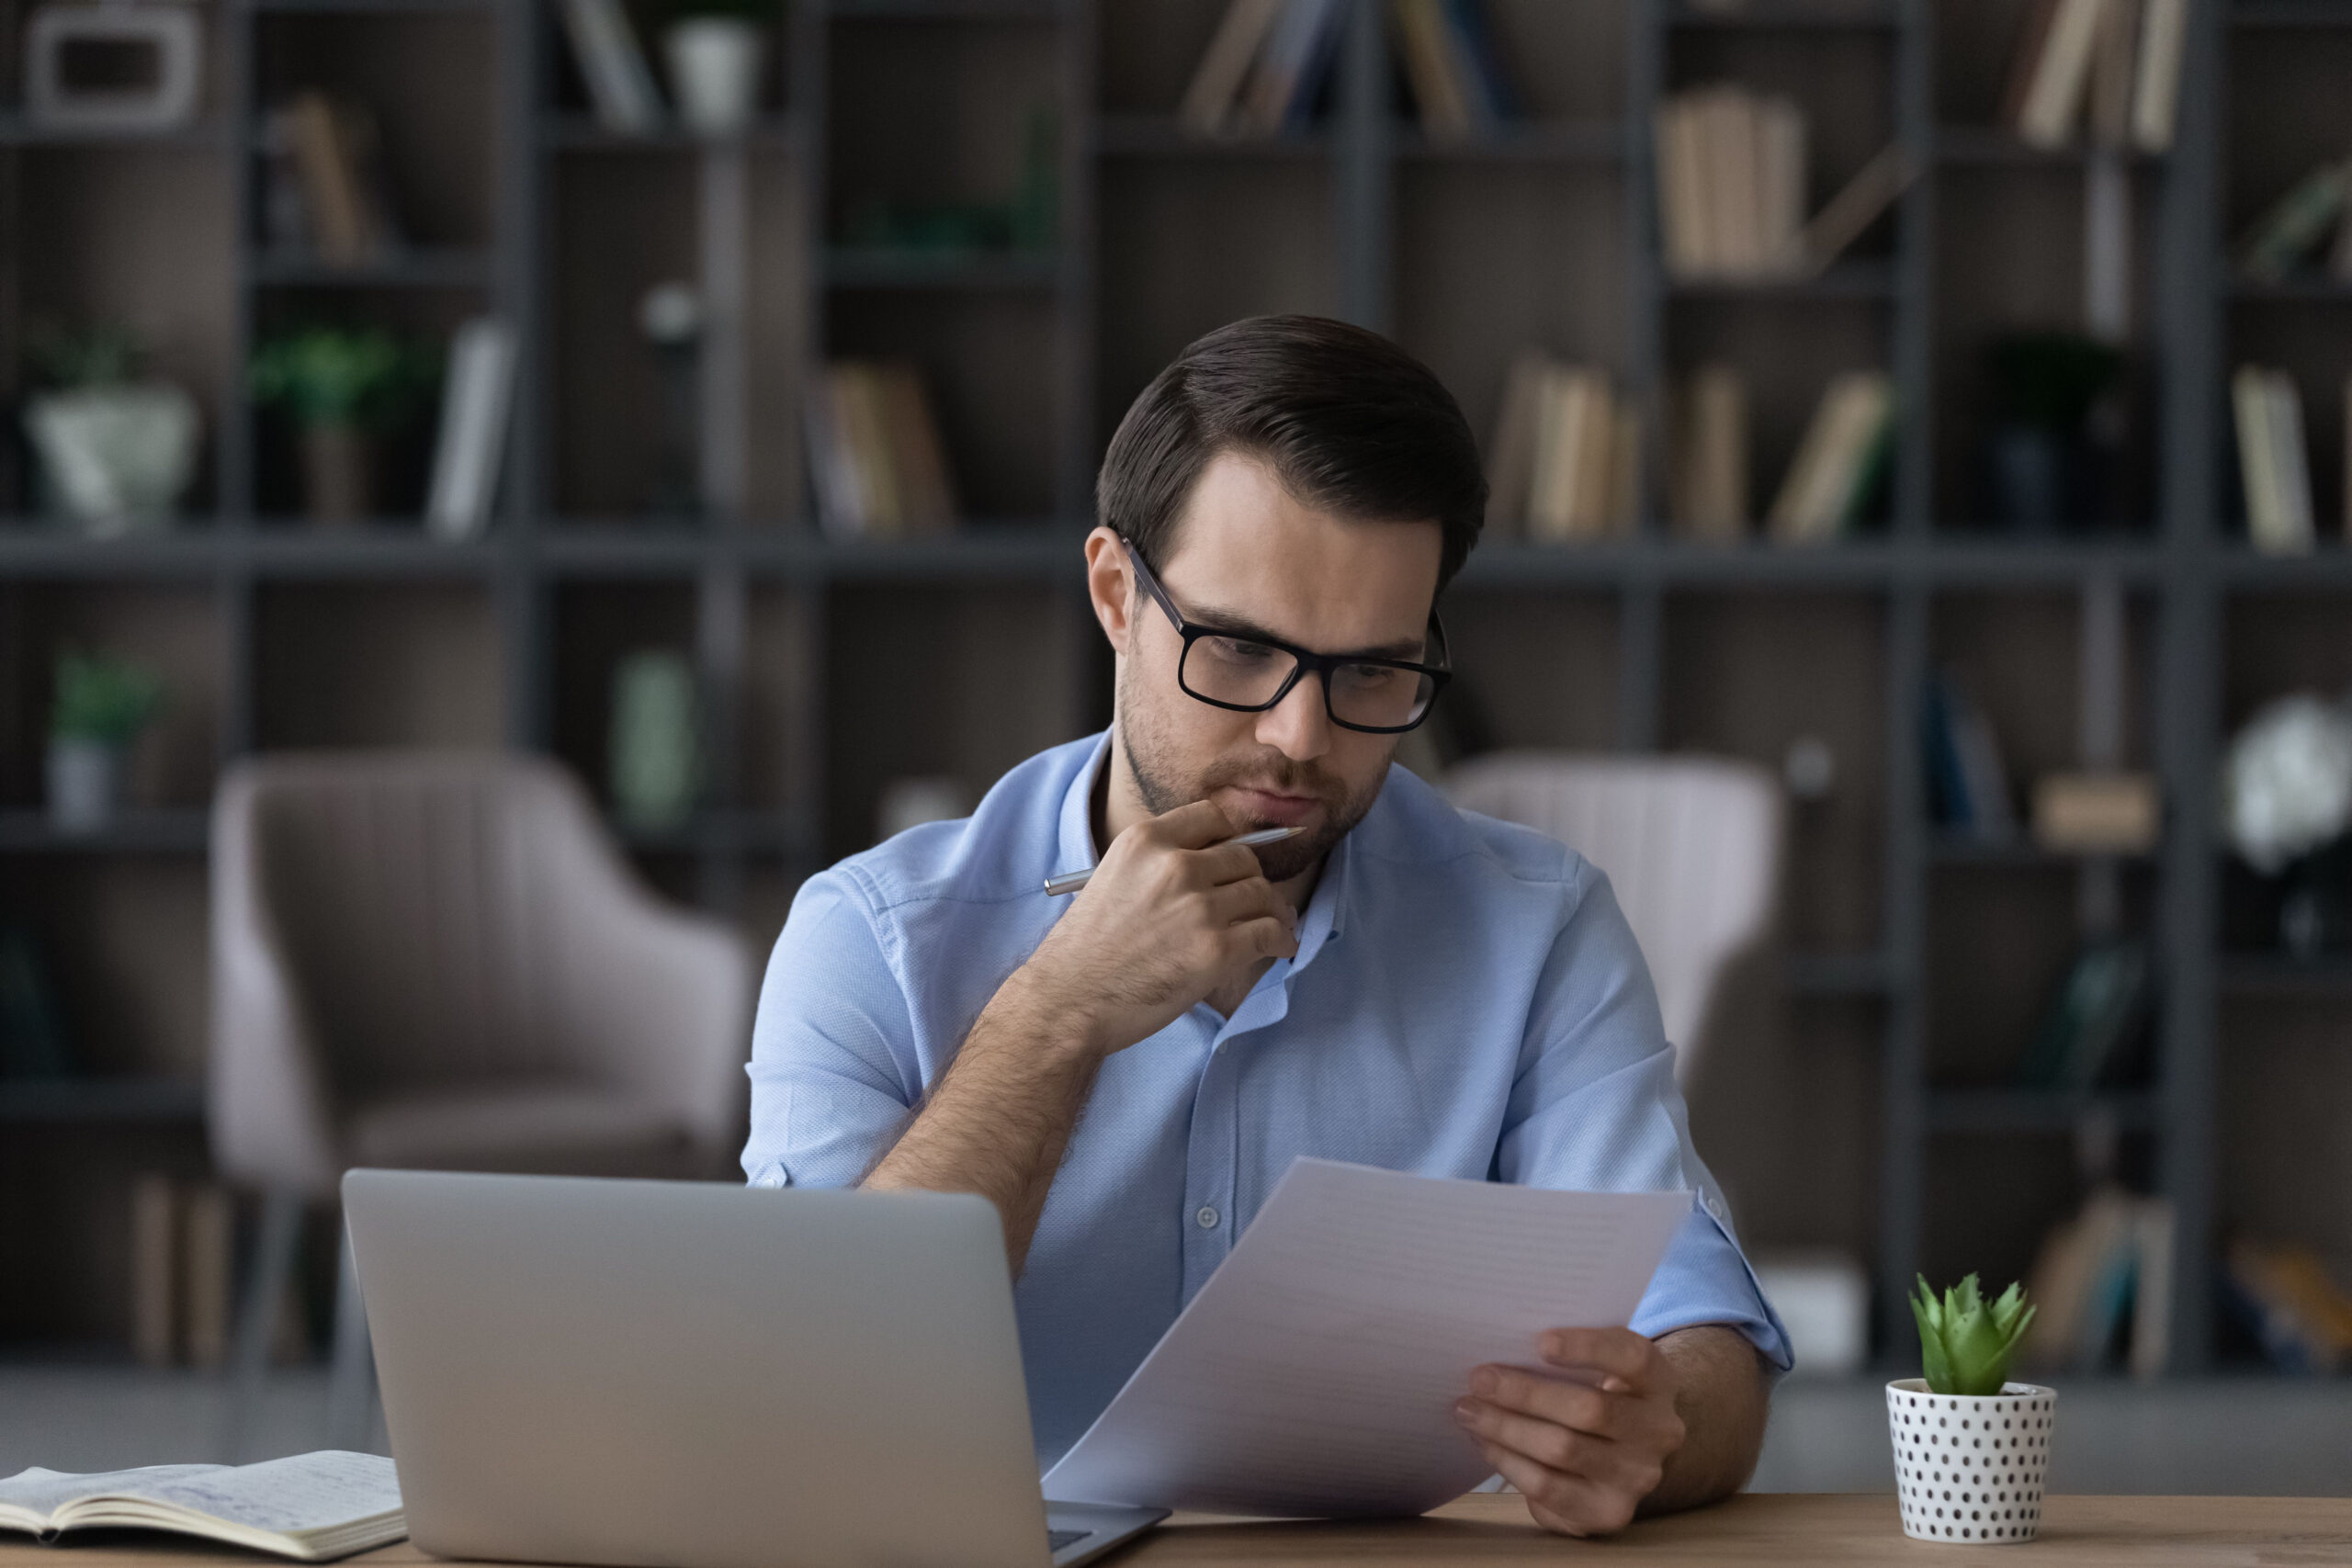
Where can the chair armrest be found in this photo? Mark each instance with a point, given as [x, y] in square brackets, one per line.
[270, 1115]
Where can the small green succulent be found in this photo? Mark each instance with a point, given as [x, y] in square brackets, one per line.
[1964, 1342]
[108, 700]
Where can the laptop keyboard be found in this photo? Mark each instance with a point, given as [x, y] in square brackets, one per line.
[1056, 1540]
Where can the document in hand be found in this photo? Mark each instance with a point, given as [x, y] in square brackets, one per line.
[1315, 1374]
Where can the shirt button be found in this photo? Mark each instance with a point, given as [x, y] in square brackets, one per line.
[1715, 1207]
[1205, 1218]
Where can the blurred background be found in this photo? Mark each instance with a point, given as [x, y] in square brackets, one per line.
[1919, 439]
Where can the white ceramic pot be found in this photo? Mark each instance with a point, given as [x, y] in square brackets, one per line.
[1970, 1467]
[715, 66]
[115, 459]
[85, 784]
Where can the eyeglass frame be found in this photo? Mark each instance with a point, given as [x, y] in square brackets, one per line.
[1305, 660]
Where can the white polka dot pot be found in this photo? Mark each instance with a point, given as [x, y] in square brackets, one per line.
[1970, 1467]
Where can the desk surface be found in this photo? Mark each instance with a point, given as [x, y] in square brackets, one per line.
[2124, 1532]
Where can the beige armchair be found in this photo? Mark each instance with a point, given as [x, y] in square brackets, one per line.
[1691, 846]
[441, 960]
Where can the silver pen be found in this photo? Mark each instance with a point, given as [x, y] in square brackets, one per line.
[1072, 881]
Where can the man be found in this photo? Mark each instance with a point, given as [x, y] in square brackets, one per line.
[1127, 1074]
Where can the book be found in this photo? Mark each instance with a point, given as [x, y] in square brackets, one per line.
[876, 455]
[207, 1279]
[2096, 813]
[1439, 78]
[1707, 463]
[1847, 216]
[1968, 780]
[2025, 60]
[1621, 496]
[612, 65]
[2081, 1281]
[2152, 1297]
[33, 1041]
[475, 396]
[1207, 107]
[2054, 99]
[1511, 455]
[2269, 416]
[1494, 98]
[2091, 1019]
[1829, 481]
[1731, 183]
[2301, 1317]
[334, 148]
[311, 1508]
[2295, 225]
[1291, 65]
[2155, 85]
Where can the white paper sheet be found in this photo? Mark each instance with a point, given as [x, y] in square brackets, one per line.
[1315, 1374]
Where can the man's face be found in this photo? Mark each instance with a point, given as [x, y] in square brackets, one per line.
[1251, 559]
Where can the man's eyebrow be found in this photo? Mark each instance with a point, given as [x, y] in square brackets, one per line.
[1224, 623]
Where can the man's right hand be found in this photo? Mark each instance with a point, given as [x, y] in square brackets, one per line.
[1174, 912]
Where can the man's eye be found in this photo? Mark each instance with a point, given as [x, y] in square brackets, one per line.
[1233, 651]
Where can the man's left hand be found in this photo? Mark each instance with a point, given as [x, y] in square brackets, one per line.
[1584, 1457]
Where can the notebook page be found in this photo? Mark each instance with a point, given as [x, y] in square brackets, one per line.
[284, 1496]
[1315, 1374]
[41, 1492]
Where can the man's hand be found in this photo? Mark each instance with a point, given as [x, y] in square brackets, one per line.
[1174, 912]
[1584, 1457]
[1171, 914]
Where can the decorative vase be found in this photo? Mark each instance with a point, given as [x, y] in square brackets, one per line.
[85, 783]
[1970, 1468]
[715, 66]
[338, 473]
[116, 459]
[654, 751]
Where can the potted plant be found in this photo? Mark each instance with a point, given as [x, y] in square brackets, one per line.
[717, 52]
[101, 704]
[1972, 1448]
[117, 451]
[344, 387]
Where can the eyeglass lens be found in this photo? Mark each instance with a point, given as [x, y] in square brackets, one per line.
[1248, 675]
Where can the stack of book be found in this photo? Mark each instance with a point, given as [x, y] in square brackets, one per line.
[880, 468]
[1840, 462]
[2114, 63]
[1731, 167]
[2271, 463]
[1264, 67]
[1565, 461]
[1450, 60]
[2316, 209]
[323, 192]
[1707, 463]
[182, 1235]
[2102, 1277]
[2285, 1296]
[1731, 188]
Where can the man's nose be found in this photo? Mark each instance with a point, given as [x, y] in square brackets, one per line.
[1298, 726]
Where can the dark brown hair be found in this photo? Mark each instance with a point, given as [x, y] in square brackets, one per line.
[1347, 419]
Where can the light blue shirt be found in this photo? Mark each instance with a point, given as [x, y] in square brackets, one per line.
[1468, 1001]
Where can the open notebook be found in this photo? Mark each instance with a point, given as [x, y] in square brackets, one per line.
[310, 1507]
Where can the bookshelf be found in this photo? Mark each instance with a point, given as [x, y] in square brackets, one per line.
[828, 666]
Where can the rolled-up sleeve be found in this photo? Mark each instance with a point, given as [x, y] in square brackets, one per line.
[832, 1076]
[1594, 1107]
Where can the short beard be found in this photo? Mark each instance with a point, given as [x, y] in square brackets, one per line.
[1149, 753]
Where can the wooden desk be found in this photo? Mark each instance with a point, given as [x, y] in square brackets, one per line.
[2078, 1533]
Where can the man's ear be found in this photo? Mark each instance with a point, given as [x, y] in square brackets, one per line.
[1111, 585]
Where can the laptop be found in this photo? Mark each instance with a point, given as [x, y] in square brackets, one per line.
[656, 1374]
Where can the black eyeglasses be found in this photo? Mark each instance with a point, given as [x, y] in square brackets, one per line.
[1251, 674]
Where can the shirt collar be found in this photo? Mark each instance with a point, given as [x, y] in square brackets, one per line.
[1075, 849]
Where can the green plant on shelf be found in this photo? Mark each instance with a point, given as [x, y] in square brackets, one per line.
[1965, 1342]
[105, 702]
[343, 378]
